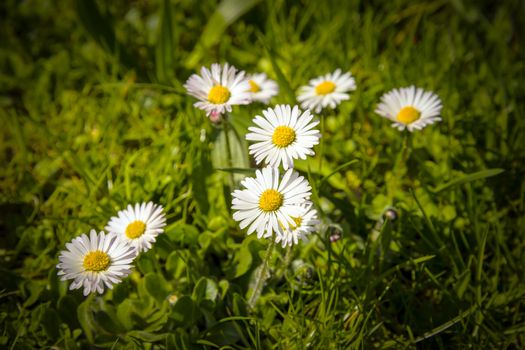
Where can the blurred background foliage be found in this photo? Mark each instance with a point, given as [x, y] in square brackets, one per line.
[94, 117]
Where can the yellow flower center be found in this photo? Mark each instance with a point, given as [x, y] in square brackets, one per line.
[408, 115]
[297, 221]
[96, 261]
[325, 88]
[254, 87]
[270, 200]
[283, 136]
[135, 229]
[219, 94]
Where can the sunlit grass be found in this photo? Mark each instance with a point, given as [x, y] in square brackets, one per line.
[94, 117]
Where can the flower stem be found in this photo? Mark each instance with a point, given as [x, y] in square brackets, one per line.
[404, 153]
[261, 277]
[287, 260]
[321, 144]
[226, 128]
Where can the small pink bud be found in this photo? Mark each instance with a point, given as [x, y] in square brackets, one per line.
[215, 117]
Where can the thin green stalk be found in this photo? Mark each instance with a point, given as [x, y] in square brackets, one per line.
[400, 167]
[404, 153]
[226, 128]
[321, 144]
[287, 259]
[261, 277]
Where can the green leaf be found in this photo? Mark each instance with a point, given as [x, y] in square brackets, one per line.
[166, 44]
[50, 323]
[34, 288]
[183, 233]
[227, 12]
[85, 318]
[223, 333]
[201, 169]
[156, 286]
[179, 339]
[239, 305]
[65, 305]
[126, 314]
[244, 258]
[145, 263]
[243, 261]
[184, 312]
[205, 289]
[224, 286]
[147, 336]
[468, 178]
[108, 320]
[238, 148]
[175, 264]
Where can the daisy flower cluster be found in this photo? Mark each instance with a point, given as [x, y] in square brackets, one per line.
[274, 203]
[271, 205]
[220, 88]
[101, 260]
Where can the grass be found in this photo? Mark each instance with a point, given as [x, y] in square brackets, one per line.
[94, 117]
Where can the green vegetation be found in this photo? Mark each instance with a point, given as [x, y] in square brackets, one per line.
[94, 116]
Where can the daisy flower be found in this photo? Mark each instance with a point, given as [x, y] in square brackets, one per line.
[326, 91]
[303, 225]
[94, 262]
[410, 107]
[139, 225]
[262, 88]
[282, 135]
[219, 89]
[268, 203]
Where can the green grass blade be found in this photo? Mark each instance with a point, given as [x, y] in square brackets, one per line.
[99, 27]
[281, 79]
[336, 170]
[166, 44]
[245, 171]
[468, 178]
[446, 325]
[227, 12]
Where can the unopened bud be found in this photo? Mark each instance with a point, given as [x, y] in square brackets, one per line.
[391, 214]
[215, 117]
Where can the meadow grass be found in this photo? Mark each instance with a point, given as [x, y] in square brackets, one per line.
[94, 117]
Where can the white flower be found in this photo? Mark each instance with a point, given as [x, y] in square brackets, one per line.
[304, 224]
[284, 134]
[269, 202]
[326, 91]
[410, 107]
[96, 261]
[139, 225]
[219, 89]
[262, 88]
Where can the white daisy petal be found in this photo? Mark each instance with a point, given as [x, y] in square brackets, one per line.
[135, 224]
[303, 223]
[410, 107]
[93, 268]
[326, 91]
[219, 89]
[282, 134]
[262, 89]
[270, 210]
